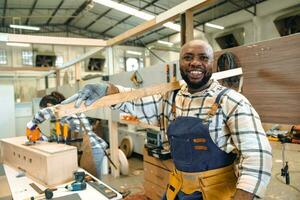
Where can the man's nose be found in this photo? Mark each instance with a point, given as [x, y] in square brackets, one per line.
[196, 62]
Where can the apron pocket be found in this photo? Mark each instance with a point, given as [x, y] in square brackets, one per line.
[181, 150]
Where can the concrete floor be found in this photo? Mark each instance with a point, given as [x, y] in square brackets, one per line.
[132, 182]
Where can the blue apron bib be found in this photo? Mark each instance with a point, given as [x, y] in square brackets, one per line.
[193, 150]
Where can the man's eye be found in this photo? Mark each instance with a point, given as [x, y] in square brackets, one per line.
[187, 58]
[204, 58]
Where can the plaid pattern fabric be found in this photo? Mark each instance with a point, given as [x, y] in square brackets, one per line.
[73, 122]
[236, 127]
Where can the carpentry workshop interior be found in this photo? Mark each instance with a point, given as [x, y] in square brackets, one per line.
[150, 99]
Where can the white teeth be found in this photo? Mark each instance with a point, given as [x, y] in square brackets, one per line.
[196, 72]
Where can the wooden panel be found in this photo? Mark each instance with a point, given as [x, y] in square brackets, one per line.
[153, 191]
[49, 163]
[156, 174]
[271, 77]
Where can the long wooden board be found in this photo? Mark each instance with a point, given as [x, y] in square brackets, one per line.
[69, 109]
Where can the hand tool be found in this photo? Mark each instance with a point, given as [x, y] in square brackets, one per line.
[65, 132]
[79, 183]
[33, 135]
[58, 130]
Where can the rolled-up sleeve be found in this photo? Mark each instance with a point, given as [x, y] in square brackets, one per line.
[146, 109]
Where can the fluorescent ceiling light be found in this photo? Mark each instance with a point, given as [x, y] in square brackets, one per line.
[17, 44]
[34, 28]
[134, 52]
[214, 26]
[132, 11]
[165, 42]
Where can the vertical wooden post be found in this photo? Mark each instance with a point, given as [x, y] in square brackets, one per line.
[112, 125]
[113, 143]
[57, 78]
[77, 72]
[187, 27]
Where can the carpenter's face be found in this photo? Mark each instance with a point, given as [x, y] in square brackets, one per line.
[196, 64]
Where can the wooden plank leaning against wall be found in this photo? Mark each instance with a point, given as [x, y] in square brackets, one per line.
[271, 77]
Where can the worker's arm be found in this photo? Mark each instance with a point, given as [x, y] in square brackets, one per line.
[249, 139]
[40, 117]
[147, 109]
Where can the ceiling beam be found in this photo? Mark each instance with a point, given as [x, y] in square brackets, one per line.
[100, 16]
[34, 39]
[124, 19]
[55, 11]
[4, 12]
[78, 11]
[30, 12]
[10, 69]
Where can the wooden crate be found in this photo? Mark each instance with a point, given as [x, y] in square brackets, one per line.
[49, 163]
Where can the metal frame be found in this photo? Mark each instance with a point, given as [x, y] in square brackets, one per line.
[31, 11]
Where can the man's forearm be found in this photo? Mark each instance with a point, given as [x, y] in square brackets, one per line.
[112, 89]
[243, 195]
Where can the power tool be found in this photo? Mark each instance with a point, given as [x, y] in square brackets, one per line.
[79, 183]
[33, 135]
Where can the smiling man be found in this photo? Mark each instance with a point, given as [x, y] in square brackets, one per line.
[217, 142]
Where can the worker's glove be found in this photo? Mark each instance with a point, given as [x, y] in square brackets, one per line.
[89, 93]
[31, 126]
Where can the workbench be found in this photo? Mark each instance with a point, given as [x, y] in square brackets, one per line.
[20, 188]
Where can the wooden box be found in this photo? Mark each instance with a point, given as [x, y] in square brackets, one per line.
[49, 163]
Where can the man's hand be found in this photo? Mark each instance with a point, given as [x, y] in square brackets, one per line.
[89, 93]
[242, 195]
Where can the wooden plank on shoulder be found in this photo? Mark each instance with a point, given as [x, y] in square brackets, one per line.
[69, 109]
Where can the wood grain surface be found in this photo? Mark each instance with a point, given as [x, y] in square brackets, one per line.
[271, 71]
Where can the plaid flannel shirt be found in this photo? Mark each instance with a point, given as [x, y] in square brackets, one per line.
[73, 122]
[236, 126]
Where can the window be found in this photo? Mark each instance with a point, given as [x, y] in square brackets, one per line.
[132, 64]
[27, 57]
[3, 57]
[59, 61]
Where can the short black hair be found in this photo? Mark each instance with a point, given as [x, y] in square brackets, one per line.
[54, 98]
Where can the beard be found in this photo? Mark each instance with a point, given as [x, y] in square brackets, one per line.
[196, 85]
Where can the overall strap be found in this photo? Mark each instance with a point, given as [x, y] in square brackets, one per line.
[217, 103]
[173, 109]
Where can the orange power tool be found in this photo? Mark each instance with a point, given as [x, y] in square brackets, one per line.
[33, 135]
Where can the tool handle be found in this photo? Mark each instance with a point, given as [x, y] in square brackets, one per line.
[57, 127]
[65, 130]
